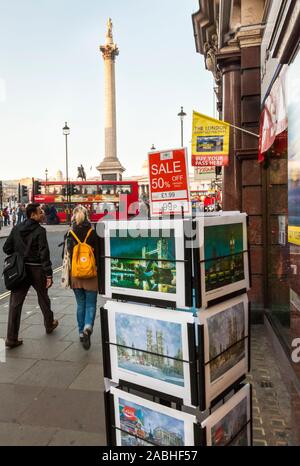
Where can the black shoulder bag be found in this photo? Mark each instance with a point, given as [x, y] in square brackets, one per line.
[14, 272]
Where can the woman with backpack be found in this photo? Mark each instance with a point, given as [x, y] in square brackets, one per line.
[82, 245]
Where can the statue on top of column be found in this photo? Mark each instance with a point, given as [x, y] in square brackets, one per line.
[109, 50]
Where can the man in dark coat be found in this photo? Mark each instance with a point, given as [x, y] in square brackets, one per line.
[30, 237]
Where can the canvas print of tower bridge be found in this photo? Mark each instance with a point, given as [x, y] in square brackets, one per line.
[224, 258]
[144, 262]
[147, 346]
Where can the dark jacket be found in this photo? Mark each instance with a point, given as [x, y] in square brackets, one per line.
[81, 232]
[39, 250]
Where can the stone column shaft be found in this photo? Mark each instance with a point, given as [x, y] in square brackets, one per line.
[232, 190]
[110, 109]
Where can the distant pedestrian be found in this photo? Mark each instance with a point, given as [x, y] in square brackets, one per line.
[19, 214]
[53, 218]
[23, 208]
[6, 216]
[84, 282]
[14, 217]
[30, 237]
[47, 212]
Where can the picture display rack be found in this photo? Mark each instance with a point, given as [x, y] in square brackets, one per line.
[198, 281]
[227, 414]
[180, 294]
[199, 436]
[196, 359]
[181, 390]
[182, 429]
[217, 238]
[199, 386]
[209, 393]
[210, 432]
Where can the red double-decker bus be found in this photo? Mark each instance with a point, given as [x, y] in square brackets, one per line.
[117, 198]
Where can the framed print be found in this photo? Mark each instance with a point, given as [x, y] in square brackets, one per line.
[222, 258]
[140, 422]
[225, 345]
[230, 425]
[152, 348]
[147, 261]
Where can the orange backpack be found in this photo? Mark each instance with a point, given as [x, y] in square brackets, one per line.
[83, 260]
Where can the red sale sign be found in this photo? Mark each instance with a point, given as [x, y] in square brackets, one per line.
[169, 183]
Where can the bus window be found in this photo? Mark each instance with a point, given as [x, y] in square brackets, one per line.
[125, 189]
[88, 189]
[109, 206]
[108, 189]
[54, 189]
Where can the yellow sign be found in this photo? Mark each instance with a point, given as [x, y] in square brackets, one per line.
[294, 235]
[210, 141]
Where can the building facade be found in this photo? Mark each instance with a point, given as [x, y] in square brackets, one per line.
[228, 33]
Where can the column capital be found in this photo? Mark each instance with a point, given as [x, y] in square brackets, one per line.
[109, 51]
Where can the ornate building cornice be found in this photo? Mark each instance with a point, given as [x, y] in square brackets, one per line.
[210, 50]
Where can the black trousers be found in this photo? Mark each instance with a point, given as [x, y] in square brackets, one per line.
[36, 278]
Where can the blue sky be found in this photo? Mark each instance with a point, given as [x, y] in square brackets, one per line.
[52, 71]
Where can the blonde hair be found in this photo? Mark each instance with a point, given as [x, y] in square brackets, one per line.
[80, 214]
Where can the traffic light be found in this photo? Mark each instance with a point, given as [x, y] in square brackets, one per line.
[73, 190]
[24, 191]
[218, 171]
[37, 187]
[1, 188]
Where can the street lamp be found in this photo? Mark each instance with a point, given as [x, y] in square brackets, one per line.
[46, 173]
[152, 148]
[66, 132]
[181, 116]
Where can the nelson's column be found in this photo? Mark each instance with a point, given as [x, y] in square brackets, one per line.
[110, 168]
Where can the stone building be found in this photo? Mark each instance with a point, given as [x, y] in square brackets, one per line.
[228, 34]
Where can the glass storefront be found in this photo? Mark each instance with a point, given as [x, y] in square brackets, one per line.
[283, 222]
[294, 209]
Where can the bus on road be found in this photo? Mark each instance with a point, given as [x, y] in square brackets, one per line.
[118, 198]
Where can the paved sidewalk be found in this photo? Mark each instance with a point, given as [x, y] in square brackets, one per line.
[5, 231]
[51, 388]
[271, 395]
